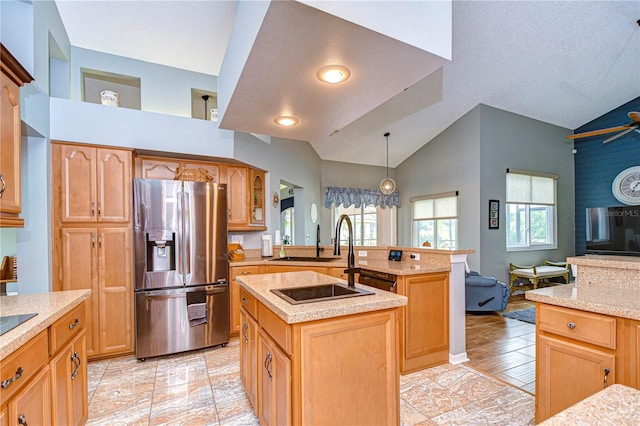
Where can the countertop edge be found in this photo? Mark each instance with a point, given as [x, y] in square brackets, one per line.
[32, 329]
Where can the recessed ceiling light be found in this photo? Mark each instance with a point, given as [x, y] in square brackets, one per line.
[286, 120]
[333, 74]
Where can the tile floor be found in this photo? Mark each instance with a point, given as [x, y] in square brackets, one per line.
[203, 388]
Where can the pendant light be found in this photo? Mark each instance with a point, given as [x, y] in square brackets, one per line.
[388, 185]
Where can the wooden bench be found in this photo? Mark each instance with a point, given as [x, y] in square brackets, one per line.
[536, 273]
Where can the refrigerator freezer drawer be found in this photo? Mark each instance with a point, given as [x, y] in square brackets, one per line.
[163, 326]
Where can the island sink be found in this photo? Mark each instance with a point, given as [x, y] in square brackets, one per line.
[305, 259]
[318, 293]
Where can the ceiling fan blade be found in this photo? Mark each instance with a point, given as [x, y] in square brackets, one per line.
[632, 128]
[634, 116]
[598, 132]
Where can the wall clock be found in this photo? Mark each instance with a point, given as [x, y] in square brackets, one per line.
[626, 186]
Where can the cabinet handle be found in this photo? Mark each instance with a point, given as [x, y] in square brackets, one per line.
[74, 324]
[93, 240]
[245, 301]
[4, 185]
[606, 374]
[571, 325]
[5, 383]
[245, 327]
[246, 273]
[93, 208]
[22, 420]
[100, 240]
[99, 209]
[75, 358]
[267, 363]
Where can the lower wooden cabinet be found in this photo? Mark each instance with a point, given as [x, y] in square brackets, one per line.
[249, 356]
[3, 417]
[32, 404]
[234, 287]
[424, 323]
[69, 383]
[274, 383]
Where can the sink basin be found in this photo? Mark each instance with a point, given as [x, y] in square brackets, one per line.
[318, 293]
[305, 259]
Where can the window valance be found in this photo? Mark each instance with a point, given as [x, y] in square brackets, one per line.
[358, 197]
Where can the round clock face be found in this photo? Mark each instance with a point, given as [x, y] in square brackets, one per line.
[626, 186]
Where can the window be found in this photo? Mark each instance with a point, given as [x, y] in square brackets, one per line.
[530, 210]
[435, 220]
[371, 225]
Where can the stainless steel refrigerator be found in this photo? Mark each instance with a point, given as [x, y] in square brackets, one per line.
[181, 266]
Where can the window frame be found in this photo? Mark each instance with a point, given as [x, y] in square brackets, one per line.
[437, 221]
[380, 227]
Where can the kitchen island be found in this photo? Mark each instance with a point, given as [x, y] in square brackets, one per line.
[43, 360]
[329, 362]
[587, 333]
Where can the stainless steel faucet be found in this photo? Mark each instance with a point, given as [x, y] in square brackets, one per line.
[351, 269]
[318, 241]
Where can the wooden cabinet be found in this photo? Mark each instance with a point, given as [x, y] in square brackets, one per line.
[32, 405]
[237, 196]
[424, 324]
[577, 354]
[316, 372]
[99, 259]
[12, 77]
[164, 168]
[92, 239]
[69, 383]
[234, 288]
[285, 268]
[274, 383]
[248, 356]
[257, 197]
[95, 184]
[3, 417]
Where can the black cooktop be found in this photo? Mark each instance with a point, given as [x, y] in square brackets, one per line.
[12, 321]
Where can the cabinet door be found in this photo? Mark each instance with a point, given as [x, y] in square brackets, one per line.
[3, 417]
[274, 383]
[235, 293]
[77, 183]
[237, 204]
[425, 328]
[79, 385]
[156, 169]
[80, 271]
[115, 290]
[258, 209]
[211, 168]
[249, 357]
[567, 373]
[62, 365]
[9, 146]
[32, 405]
[114, 185]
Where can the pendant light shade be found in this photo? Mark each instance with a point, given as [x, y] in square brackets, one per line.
[388, 185]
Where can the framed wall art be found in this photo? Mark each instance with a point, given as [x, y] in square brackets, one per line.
[494, 214]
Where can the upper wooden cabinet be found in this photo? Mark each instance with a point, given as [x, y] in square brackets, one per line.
[245, 187]
[13, 76]
[95, 183]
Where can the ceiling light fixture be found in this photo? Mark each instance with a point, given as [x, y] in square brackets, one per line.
[286, 120]
[333, 74]
[388, 185]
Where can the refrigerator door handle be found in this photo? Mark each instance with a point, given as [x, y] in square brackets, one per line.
[186, 233]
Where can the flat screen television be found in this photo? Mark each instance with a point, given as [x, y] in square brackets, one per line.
[613, 230]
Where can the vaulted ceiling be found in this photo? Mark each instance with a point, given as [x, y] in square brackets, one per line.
[562, 62]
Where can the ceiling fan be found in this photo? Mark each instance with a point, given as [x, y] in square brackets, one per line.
[634, 125]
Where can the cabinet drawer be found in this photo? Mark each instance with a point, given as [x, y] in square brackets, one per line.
[279, 330]
[20, 366]
[579, 325]
[244, 270]
[67, 327]
[249, 303]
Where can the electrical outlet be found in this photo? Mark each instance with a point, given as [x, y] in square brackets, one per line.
[415, 256]
[362, 253]
[238, 239]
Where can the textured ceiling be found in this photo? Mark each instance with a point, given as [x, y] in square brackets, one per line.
[564, 63]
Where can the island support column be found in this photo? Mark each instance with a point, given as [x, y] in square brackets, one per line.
[457, 320]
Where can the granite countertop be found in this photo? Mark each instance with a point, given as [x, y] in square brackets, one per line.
[404, 267]
[49, 306]
[624, 303]
[615, 405]
[260, 286]
[607, 261]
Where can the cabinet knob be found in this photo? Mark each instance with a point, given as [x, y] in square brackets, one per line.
[22, 420]
[4, 185]
[93, 208]
[74, 324]
[571, 325]
[606, 375]
[245, 301]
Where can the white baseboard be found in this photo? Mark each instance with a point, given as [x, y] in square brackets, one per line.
[458, 358]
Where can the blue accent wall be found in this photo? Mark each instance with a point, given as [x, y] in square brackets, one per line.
[597, 164]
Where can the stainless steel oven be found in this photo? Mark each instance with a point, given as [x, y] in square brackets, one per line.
[381, 280]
